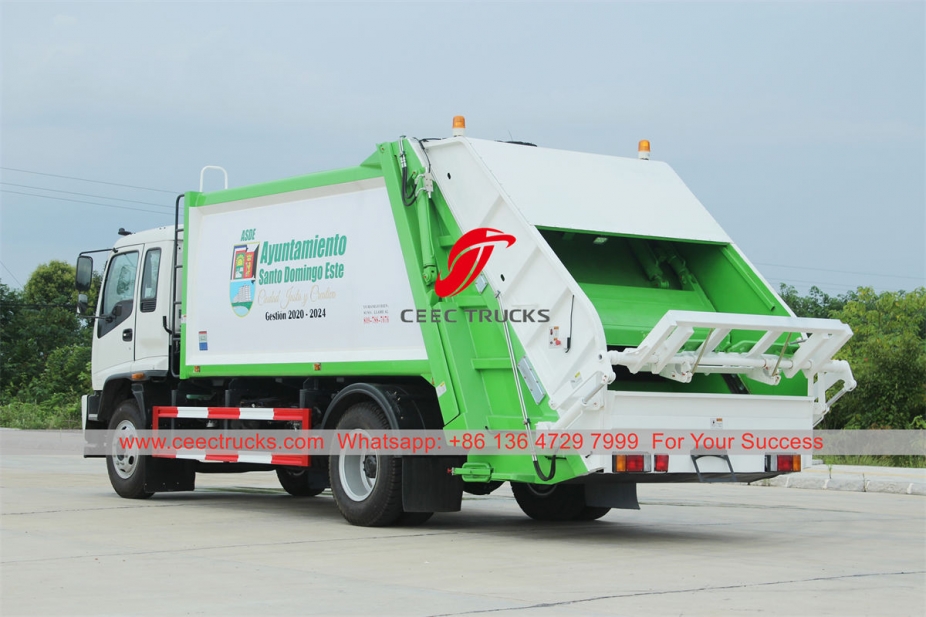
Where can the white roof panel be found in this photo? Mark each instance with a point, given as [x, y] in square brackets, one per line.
[593, 192]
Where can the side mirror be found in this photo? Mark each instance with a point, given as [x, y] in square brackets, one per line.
[81, 304]
[84, 273]
[117, 310]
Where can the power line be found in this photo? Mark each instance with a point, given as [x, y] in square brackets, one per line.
[814, 283]
[80, 201]
[11, 274]
[896, 276]
[128, 186]
[42, 188]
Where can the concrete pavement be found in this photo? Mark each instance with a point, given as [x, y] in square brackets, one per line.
[240, 546]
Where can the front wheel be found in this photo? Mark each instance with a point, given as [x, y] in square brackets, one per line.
[125, 466]
[367, 486]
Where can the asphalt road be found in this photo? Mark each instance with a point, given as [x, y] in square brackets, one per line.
[239, 546]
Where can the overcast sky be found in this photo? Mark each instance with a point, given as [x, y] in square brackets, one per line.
[800, 126]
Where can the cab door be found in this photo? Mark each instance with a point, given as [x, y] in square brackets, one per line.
[114, 332]
[152, 338]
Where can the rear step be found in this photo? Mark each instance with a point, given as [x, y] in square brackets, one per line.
[660, 352]
[724, 457]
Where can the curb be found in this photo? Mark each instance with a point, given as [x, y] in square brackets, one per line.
[856, 485]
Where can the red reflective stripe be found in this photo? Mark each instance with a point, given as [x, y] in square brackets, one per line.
[223, 413]
[291, 414]
[232, 413]
[235, 413]
[225, 458]
[166, 412]
[287, 459]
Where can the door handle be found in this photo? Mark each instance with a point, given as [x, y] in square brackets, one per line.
[127, 334]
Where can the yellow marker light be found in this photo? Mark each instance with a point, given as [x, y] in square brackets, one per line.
[796, 464]
[459, 126]
[643, 150]
[620, 463]
[138, 376]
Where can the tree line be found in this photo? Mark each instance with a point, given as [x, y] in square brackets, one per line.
[887, 353]
[45, 352]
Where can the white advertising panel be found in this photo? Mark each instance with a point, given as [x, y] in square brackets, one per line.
[307, 276]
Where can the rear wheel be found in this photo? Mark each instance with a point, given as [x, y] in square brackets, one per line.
[546, 502]
[126, 468]
[592, 513]
[481, 488]
[299, 481]
[410, 519]
[367, 486]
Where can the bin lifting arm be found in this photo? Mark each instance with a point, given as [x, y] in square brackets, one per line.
[818, 340]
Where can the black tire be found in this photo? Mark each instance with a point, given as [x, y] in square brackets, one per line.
[592, 513]
[370, 493]
[546, 502]
[127, 470]
[481, 488]
[297, 481]
[412, 519]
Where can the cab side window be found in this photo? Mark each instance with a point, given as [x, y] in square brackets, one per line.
[149, 281]
[118, 291]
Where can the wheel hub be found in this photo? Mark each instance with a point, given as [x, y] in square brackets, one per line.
[369, 466]
[125, 460]
[357, 472]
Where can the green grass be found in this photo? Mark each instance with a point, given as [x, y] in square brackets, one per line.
[45, 415]
[876, 461]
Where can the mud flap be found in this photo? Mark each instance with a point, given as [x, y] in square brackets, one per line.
[622, 496]
[428, 487]
[168, 475]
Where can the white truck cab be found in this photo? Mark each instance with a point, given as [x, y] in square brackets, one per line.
[132, 329]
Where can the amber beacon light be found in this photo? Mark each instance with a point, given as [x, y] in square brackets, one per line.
[459, 126]
[643, 150]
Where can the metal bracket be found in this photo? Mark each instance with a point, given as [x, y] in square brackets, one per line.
[474, 472]
[530, 378]
[481, 283]
[724, 457]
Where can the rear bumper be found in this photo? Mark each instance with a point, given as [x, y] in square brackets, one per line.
[648, 411]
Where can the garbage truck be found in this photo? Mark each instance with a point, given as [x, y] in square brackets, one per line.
[452, 284]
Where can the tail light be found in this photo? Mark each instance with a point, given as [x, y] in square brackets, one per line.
[661, 463]
[631, 463]
[620, 463]
[788, 462]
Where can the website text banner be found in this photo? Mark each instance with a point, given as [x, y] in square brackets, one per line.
[423, 443]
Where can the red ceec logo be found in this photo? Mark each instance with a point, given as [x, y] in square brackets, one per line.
[468, 257]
